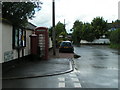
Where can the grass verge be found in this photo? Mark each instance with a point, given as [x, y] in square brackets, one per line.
[115, 46]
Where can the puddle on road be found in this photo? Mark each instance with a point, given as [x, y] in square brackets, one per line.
[118, 53]
[101, 55]
[99, 66]
[102, 67]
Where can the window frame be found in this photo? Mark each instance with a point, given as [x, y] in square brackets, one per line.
[19, 37]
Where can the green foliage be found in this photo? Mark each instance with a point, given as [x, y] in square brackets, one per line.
[117, 21]
[115, 37]
[88, 33]
[99, 26]
[50, 31]
[115, 46]
[82, 31]
[77, 32]
[60, 30]
[19, 12]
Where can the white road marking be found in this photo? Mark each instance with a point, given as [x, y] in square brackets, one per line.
[77, 71]
[61, 85]
[61, 79]
[112, 68]
[61, 82]
[72, 75]
[71, 65]
[72, 72]
[77, 85]
[75, 79]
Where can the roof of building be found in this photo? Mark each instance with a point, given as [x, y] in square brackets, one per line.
[113, 25]
[5, 21]
[30, 26]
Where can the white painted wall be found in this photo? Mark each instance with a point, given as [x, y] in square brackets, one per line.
[50, 43]
[15, 54]
[1, 42]
[6, 39]
[27, 49]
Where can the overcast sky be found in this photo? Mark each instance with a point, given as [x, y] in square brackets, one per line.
[71, 10]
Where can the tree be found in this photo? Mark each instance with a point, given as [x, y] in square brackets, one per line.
[115, 37]
[60, 28]
[88, 32]
[117, 21]
[50, 31]
[99, 26]
[18, 13]
[77, 32]
[59, 31]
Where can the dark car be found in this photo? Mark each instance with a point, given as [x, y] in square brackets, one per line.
[66, 46]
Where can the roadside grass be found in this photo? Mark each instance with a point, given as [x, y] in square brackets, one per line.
[115, 46]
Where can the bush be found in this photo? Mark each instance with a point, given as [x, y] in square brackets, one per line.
[115, 46]
[115, 37]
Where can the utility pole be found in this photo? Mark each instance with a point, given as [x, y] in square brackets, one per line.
[53, 30]
[64, 24]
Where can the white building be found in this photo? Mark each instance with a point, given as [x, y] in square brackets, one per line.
[7, 52]
[96, 41]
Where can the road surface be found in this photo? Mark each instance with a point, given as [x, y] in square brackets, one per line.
[96, 68]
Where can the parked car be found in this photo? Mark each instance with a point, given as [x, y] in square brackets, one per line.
[66, 46]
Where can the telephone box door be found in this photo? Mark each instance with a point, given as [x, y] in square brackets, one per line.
[42, 42]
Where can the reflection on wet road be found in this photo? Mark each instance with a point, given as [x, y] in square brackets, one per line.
[98, 66]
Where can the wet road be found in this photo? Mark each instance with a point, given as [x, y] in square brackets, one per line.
[98, 66]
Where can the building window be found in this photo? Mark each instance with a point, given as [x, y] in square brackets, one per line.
[19, 38]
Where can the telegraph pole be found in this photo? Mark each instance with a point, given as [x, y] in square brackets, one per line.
[64, 24]
[53, 30]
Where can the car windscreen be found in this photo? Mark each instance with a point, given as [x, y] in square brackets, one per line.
[65, 44]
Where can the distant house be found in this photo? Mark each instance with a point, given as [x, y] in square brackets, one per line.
[113, 26]
[13, 39]
[96, 42]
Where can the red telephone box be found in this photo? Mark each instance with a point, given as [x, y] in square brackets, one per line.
[41, 42]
